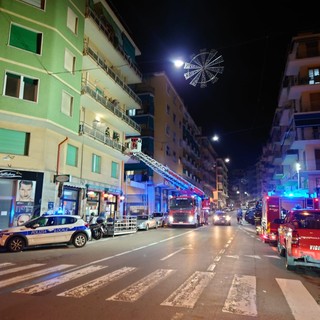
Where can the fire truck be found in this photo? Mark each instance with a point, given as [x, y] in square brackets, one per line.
[274, 209]
[185, 209]
[185, 206]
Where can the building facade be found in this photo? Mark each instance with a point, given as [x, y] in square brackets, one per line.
[65, 71]
[290, 161]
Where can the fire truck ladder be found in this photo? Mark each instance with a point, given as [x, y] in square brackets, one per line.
[167, 173]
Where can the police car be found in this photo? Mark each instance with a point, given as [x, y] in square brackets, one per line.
[45, 230]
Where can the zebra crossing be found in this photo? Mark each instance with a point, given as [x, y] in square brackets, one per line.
[241, 298]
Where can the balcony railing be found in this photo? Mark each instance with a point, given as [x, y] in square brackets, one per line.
[101, 26]
[99, 135]
[90, 89]
[100, 61]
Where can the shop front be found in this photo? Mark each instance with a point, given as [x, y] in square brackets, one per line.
[20, 196]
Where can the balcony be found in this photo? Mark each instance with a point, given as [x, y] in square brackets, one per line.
[99, 74]
[115, 52]
[89, 89]
[85, 129]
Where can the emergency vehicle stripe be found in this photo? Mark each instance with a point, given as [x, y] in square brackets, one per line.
[21, 268]
[188, 293]
[300, 301]
[32, 275]
[91, 286]
[242, 296]
[139, 288]
[44, 285]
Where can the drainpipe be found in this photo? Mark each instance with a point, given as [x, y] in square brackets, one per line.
[58, 156]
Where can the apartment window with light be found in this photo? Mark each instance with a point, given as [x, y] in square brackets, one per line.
[69, 61]
[314, 76]
[25, 39]
[114, 170]
[21, 87]
[72, 21]
[36, 3]
[96, 163]
[67, 104]
[14, 142]
[72, 155]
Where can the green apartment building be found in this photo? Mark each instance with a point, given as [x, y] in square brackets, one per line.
[65, 70]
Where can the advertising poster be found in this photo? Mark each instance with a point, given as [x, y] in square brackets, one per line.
[24, 201]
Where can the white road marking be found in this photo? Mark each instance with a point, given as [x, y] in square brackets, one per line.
[242, 296]
[211, 267]
[272, 256]
[139, 288]
[94, 285]
[17, 269]
[35, 274]
[252, 256]
[188, 293]
[6, 264]
[171, 254]
[301, 303]
[45, 285]
[234, 257]
[217, 258]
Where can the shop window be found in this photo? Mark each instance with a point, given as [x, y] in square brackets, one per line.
[14, 142]
[25, 39]
[72, 156]
[21, 87]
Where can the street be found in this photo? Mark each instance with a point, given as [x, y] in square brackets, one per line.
[212, 272]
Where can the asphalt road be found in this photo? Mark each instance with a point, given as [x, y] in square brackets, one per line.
[212, 272]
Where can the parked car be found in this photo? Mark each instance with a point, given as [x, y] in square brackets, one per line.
[249, 215]
[146, 222]
[162, 218]
[221, 217]
[45, 230]
[299, 238]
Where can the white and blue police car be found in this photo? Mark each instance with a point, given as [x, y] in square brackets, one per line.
[46, 230]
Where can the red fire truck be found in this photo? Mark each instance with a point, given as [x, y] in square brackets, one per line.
[185, 209]
[274, 209]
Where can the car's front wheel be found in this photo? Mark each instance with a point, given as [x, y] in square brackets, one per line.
[79, 240]
[16, 244]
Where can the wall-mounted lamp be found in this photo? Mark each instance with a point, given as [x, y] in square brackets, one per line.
[8, 157]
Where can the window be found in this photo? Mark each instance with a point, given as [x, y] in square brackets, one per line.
[114, 170]
[96, 163]
[168, 109]
[36, 3]
[69, 61]
[72, 21]
[14, 142]
[314, 76]
[25, 39]
[72, 156]
[21, 87]
[66, 104]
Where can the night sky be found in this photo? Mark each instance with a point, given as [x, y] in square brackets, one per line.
[253, 38]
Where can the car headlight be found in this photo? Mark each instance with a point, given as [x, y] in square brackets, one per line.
[190, 219]
[215, 218]
[170, 219]
[228, 218]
